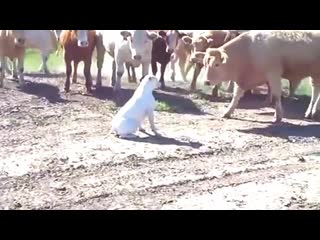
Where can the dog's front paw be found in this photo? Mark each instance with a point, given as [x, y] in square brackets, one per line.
[155, 131]
[141, 129]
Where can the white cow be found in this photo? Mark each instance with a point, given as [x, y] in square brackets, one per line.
[133, 47]
[43, 40]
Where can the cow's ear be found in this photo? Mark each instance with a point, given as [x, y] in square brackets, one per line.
[224, 57]
[152, 35]
[187, 40]
[210, 42]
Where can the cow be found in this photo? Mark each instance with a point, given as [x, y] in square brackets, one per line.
[180, 52]
[208, 39]
[43, 40]
[12, 45]
[131, 47]
[78, 46]
[160, 54]
[259, 57]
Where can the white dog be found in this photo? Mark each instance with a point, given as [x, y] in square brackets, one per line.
[142, 104]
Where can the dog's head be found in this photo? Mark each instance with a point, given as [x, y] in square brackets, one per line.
[150, 82]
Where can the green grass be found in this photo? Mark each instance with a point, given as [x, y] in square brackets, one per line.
[33, 61]
[163, 107]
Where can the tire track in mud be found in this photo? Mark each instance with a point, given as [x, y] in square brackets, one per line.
[71, 192]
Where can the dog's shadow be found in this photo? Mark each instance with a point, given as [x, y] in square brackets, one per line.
[163, 140]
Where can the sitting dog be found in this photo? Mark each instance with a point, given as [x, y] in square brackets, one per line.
[142, 104]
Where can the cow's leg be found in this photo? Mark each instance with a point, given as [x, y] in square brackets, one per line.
[6, 66]
[134, 76]
[14, 69]
[100, 59]
[113, 77]
[128, 71]
[196, 73]
[75, 71]
[293, 85]
[276, 90]
[230, 86]
[215, 90]
[188, 67]
[120, 71]
[173, 61]
[44, 66]
[237, 95]
[154, 67]
[68, 74]
[2, 71]
[182, 66]
[145, 68]
[163, 69]
[314, 95]
[315, 115]
[87, 74]
[21, 70]
[269, 99]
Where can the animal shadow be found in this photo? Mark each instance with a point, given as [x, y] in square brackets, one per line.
[178, 104]
[45, 75]
[163, 140]
[285, 130]
[43, 90]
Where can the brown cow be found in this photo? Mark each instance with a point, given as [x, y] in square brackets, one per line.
[260, 57]
[78, 46]
[209, 39]
[12, 45]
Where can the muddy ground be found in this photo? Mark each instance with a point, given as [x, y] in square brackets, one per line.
[56, 152]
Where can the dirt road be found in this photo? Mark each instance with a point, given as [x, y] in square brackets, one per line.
[56, 153]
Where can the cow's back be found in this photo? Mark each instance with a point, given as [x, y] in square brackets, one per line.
[295, 52]
[7, 45]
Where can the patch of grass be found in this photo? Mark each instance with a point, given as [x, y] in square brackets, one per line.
[163, 107]
[33, 61]
[304, 88]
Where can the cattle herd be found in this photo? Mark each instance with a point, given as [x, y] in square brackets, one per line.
[245, 59]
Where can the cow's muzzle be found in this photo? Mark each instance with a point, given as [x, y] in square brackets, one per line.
[137, 57]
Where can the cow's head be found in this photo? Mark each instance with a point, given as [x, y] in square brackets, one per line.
[172, 40]
[142, 44]
[19, 37]
[82, 37]
[126, 35]
[215, 61]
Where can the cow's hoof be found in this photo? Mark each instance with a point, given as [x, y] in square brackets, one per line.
[226, 115]
[276, 120]
[163, 87]
[89, 91]
[66, 90]
[316, 116]
[15, 76]
[74, 80]
[98, 85]
[207, 83]
[307, 115]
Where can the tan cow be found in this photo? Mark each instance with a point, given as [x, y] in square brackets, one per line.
[208, 39]
[259, 57]
[12, 45]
